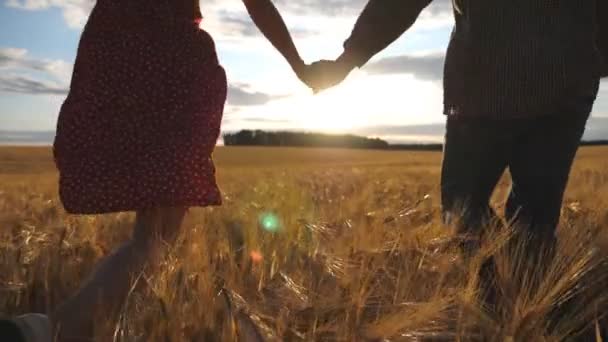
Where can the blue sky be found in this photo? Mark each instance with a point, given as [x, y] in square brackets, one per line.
[38, 41]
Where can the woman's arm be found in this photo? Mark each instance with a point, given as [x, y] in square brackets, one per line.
[267, 18]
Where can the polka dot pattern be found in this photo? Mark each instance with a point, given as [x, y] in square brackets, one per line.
[143, 114]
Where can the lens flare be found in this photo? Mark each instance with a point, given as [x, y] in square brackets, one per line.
[270, 222]
[256, 257]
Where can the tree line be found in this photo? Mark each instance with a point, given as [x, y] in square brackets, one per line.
[300, 139]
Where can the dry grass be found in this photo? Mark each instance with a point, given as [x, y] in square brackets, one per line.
[361, 255]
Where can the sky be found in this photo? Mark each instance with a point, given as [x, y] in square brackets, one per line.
[397, 96]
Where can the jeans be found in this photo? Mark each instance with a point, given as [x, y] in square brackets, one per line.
[538, 153]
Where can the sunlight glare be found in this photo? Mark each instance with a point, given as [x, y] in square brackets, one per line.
[366, 101]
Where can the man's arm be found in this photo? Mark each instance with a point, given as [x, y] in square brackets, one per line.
[380, 24]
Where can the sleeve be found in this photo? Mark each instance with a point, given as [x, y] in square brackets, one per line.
[380, 24]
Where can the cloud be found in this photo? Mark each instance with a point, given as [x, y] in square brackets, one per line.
[424, 67]
[427, 129]
[231, 17]
[11, 58]
[240, 95]
[322, 7]
[228, 18]
[75, 12]
[8, 55]
[332, 8]
[597, 129]
[264, 120]
[28, 85]
[23, 74]
[437, 14]
[235, 24]
[234, 121]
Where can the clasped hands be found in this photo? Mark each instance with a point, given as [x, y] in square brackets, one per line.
[323, 74]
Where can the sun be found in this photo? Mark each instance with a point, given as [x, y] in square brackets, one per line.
[338, 110]
[363, 103]
[326, 112]
[368, 101]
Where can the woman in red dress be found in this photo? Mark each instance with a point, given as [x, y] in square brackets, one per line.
[136, 133]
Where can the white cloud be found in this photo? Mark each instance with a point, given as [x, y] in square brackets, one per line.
[424, 67]
[75, 12]
[24, 74]
[12, 54]
[26, 84]
[228, 18]
[240, 94]
[28, 4]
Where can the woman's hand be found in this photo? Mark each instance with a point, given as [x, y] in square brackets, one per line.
[303, 72]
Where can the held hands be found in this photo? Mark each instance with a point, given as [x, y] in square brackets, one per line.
[323, 74]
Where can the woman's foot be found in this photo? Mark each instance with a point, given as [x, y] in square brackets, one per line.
[26, 328]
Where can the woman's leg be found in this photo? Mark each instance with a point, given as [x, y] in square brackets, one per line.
[104, 293]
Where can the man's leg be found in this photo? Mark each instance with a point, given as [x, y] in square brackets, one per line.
[474, 160]
[104, 293]
[540, 162]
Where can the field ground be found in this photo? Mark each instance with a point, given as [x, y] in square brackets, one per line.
[359, 254]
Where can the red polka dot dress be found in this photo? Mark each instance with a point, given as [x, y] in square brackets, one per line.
[143, 114]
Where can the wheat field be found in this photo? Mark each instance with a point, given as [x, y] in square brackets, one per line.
[312, 245]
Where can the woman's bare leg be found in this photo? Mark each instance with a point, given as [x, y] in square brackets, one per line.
[103, 294]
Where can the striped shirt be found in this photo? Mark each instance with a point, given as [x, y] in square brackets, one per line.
[506, 58]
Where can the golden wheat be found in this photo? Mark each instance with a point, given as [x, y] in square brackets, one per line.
[359, 253]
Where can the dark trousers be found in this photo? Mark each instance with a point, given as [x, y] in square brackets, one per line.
[538, 153]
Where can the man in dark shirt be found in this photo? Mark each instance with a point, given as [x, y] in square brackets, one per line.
[520, 80]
